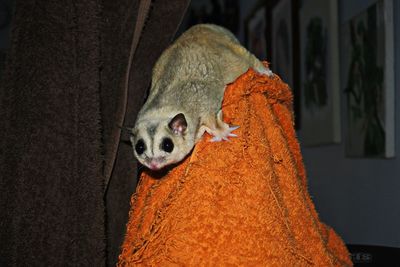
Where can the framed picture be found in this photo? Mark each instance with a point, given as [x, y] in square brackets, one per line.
[282, 41]
[319, 68]
[368, 82]
[284, 37]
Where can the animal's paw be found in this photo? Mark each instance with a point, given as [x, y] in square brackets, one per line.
[223, 135]
[265, 71]
[222, 130]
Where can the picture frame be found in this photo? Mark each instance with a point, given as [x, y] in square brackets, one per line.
[285, 54]
[319, 72]
[282, 41]
[367, 54]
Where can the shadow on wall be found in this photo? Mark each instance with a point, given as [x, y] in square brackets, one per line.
[6, 11]
[224, 12]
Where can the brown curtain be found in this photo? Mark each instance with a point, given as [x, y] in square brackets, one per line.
[65, 176]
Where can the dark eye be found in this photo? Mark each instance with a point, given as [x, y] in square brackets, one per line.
[140, 147]
[167, 145]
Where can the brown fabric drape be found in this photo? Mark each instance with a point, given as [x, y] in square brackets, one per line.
[159, 30]
[59, 99]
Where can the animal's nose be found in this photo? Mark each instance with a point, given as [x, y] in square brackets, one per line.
[154, 166]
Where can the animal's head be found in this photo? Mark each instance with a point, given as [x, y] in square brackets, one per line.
[158, 143]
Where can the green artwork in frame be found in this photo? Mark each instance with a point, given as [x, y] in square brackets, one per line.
[369, 82]
[320, 85]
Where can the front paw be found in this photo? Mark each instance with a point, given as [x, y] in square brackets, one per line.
[224, 134]
[222, 130]
[265, 71]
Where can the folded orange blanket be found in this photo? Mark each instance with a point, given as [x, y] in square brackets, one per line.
[238, 203]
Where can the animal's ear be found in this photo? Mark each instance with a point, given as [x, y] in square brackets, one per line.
[178, 124]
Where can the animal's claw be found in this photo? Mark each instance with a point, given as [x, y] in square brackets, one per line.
[215, 139]
[223, 135]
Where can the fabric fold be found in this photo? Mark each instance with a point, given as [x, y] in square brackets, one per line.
[240, 203]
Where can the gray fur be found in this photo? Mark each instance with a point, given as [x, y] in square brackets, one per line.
[190, 78]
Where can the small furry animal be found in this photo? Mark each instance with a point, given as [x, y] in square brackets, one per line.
[188, 84]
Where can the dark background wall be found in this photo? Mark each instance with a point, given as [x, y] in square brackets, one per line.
[6, 9]
[358, 197]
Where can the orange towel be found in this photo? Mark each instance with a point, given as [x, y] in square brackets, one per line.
[238, 203]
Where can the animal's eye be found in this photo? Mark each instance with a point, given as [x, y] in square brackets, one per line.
[140, 147]
[167, 145]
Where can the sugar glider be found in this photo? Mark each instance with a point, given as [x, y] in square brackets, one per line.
[187, 87]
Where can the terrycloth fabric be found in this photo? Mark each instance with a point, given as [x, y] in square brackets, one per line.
[237, 203]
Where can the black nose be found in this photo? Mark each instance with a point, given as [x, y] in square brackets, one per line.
[167, 145]
[140, 147]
